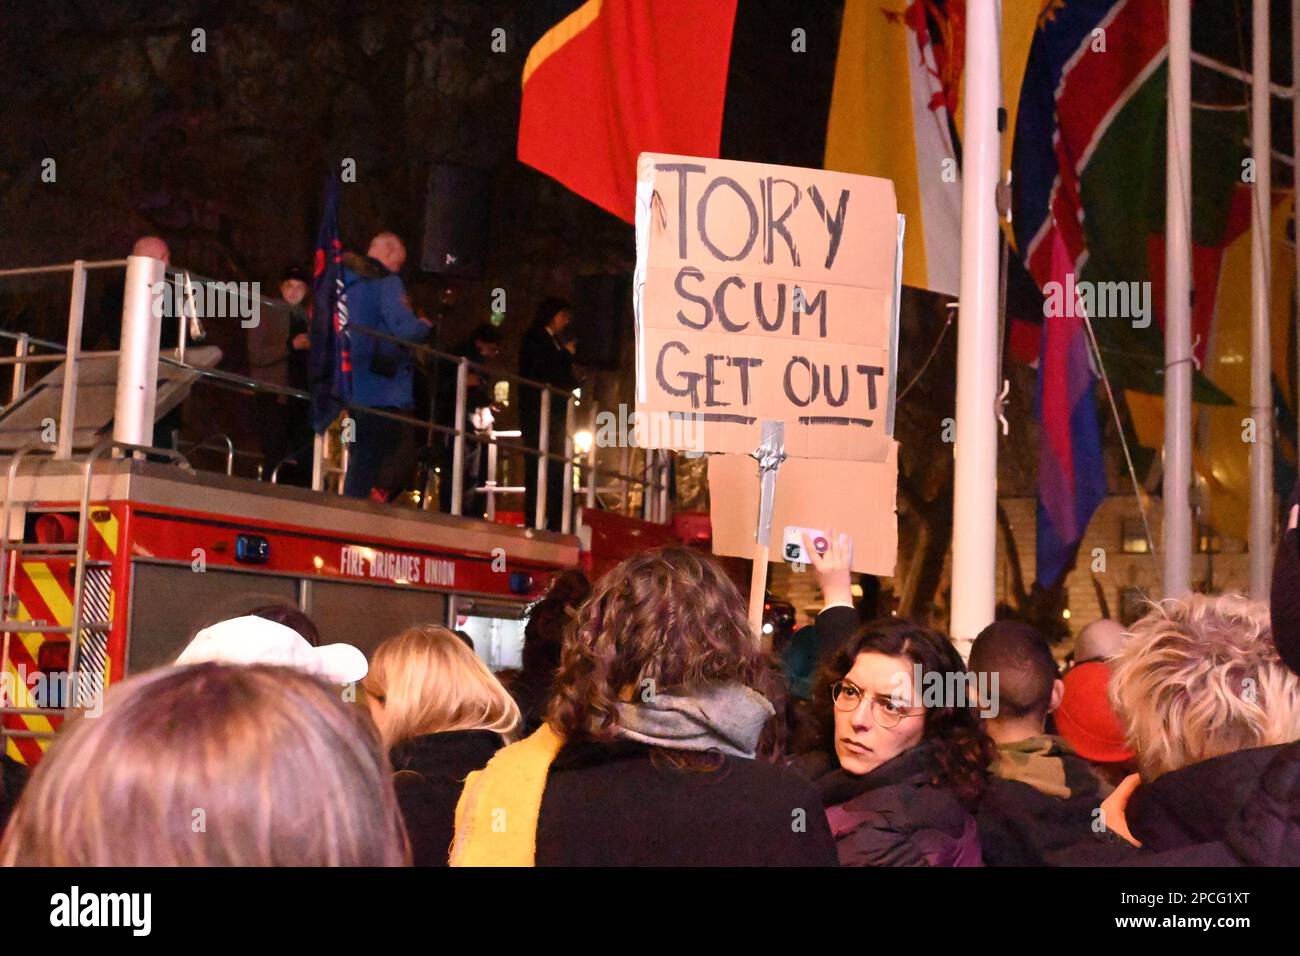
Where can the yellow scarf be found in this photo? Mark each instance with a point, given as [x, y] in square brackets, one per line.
[496, 816]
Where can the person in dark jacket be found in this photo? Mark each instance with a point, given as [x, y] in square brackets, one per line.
[443, 715]
[298, 447]
[1266, 830]
[1284, 599]
[382, 371]
[1198, 803]
[649, 755]
[1208, 706]
[1042, 797]
[546, 355]
[278, 347]
[901, 768]
[543, 638]
[1224, 811]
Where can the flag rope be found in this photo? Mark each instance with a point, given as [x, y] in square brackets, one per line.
[1119, 427]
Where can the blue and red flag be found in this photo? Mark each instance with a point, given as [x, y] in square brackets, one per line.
[1071, 476]
[1089, 202]
[330, 362]
[1088, 59]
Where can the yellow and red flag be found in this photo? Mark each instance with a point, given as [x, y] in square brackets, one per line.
[617, 78]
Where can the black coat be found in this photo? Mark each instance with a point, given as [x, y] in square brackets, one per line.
[896, 815]
[834, 626]
[1267, 831]
[1284, 601]
[1220, 811]
[1197, 803]
[430, 773]
[543, 359]
[1019, 825]
[615, 805]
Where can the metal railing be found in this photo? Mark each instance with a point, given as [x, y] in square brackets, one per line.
[653, 481]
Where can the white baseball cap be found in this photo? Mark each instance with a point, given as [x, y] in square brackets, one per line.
[255, 640]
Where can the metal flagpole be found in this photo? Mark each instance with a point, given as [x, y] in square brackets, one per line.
[1177, 523]
[1261, 358]
[974, 537]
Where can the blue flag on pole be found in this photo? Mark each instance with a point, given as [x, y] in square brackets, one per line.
[330, 362]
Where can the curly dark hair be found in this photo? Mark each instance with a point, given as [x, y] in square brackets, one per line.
[669, 615]
[548, 617]
[956, 735]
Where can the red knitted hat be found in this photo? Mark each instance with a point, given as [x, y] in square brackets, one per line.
[1085, 717]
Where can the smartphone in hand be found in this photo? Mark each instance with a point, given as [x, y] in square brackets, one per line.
[792, 543]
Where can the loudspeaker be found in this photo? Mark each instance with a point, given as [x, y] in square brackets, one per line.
[602, 315]
[455, 222]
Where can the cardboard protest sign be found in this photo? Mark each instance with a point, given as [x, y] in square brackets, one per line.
[855, 497]
[764, 292]
[771, 293]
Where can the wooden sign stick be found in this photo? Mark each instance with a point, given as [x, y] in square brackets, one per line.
[769, 455]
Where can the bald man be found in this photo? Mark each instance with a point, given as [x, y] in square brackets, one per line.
[389, 250]
[382, 371]
[153, 247]
[1099, 641]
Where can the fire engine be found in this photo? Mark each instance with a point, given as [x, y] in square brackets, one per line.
[114, 552]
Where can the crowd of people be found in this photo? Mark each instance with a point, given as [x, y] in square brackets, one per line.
[648, 728]
[390, 379]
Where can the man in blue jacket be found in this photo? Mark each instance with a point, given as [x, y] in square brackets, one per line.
[381, 370]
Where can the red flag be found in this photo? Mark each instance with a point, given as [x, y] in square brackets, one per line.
[620, 77]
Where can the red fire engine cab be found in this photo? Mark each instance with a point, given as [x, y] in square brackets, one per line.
[168, 550]
[112, 555]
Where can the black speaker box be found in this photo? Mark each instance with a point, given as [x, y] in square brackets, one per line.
[602, 316]
[455, 222]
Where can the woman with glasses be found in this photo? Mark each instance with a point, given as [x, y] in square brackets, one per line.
[904, 755]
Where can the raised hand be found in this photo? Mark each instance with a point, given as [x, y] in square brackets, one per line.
[833, 567]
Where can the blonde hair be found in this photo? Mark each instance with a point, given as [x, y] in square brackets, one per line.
[1199, 678]
[429, 681]
[212, 765]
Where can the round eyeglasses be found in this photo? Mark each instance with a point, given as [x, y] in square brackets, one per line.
[885, 712]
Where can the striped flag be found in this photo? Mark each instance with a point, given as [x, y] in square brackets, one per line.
[1089, 167]
[896, 112]
[617, 78]
[1087, 60]
[330, 361]
[1071, 476]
